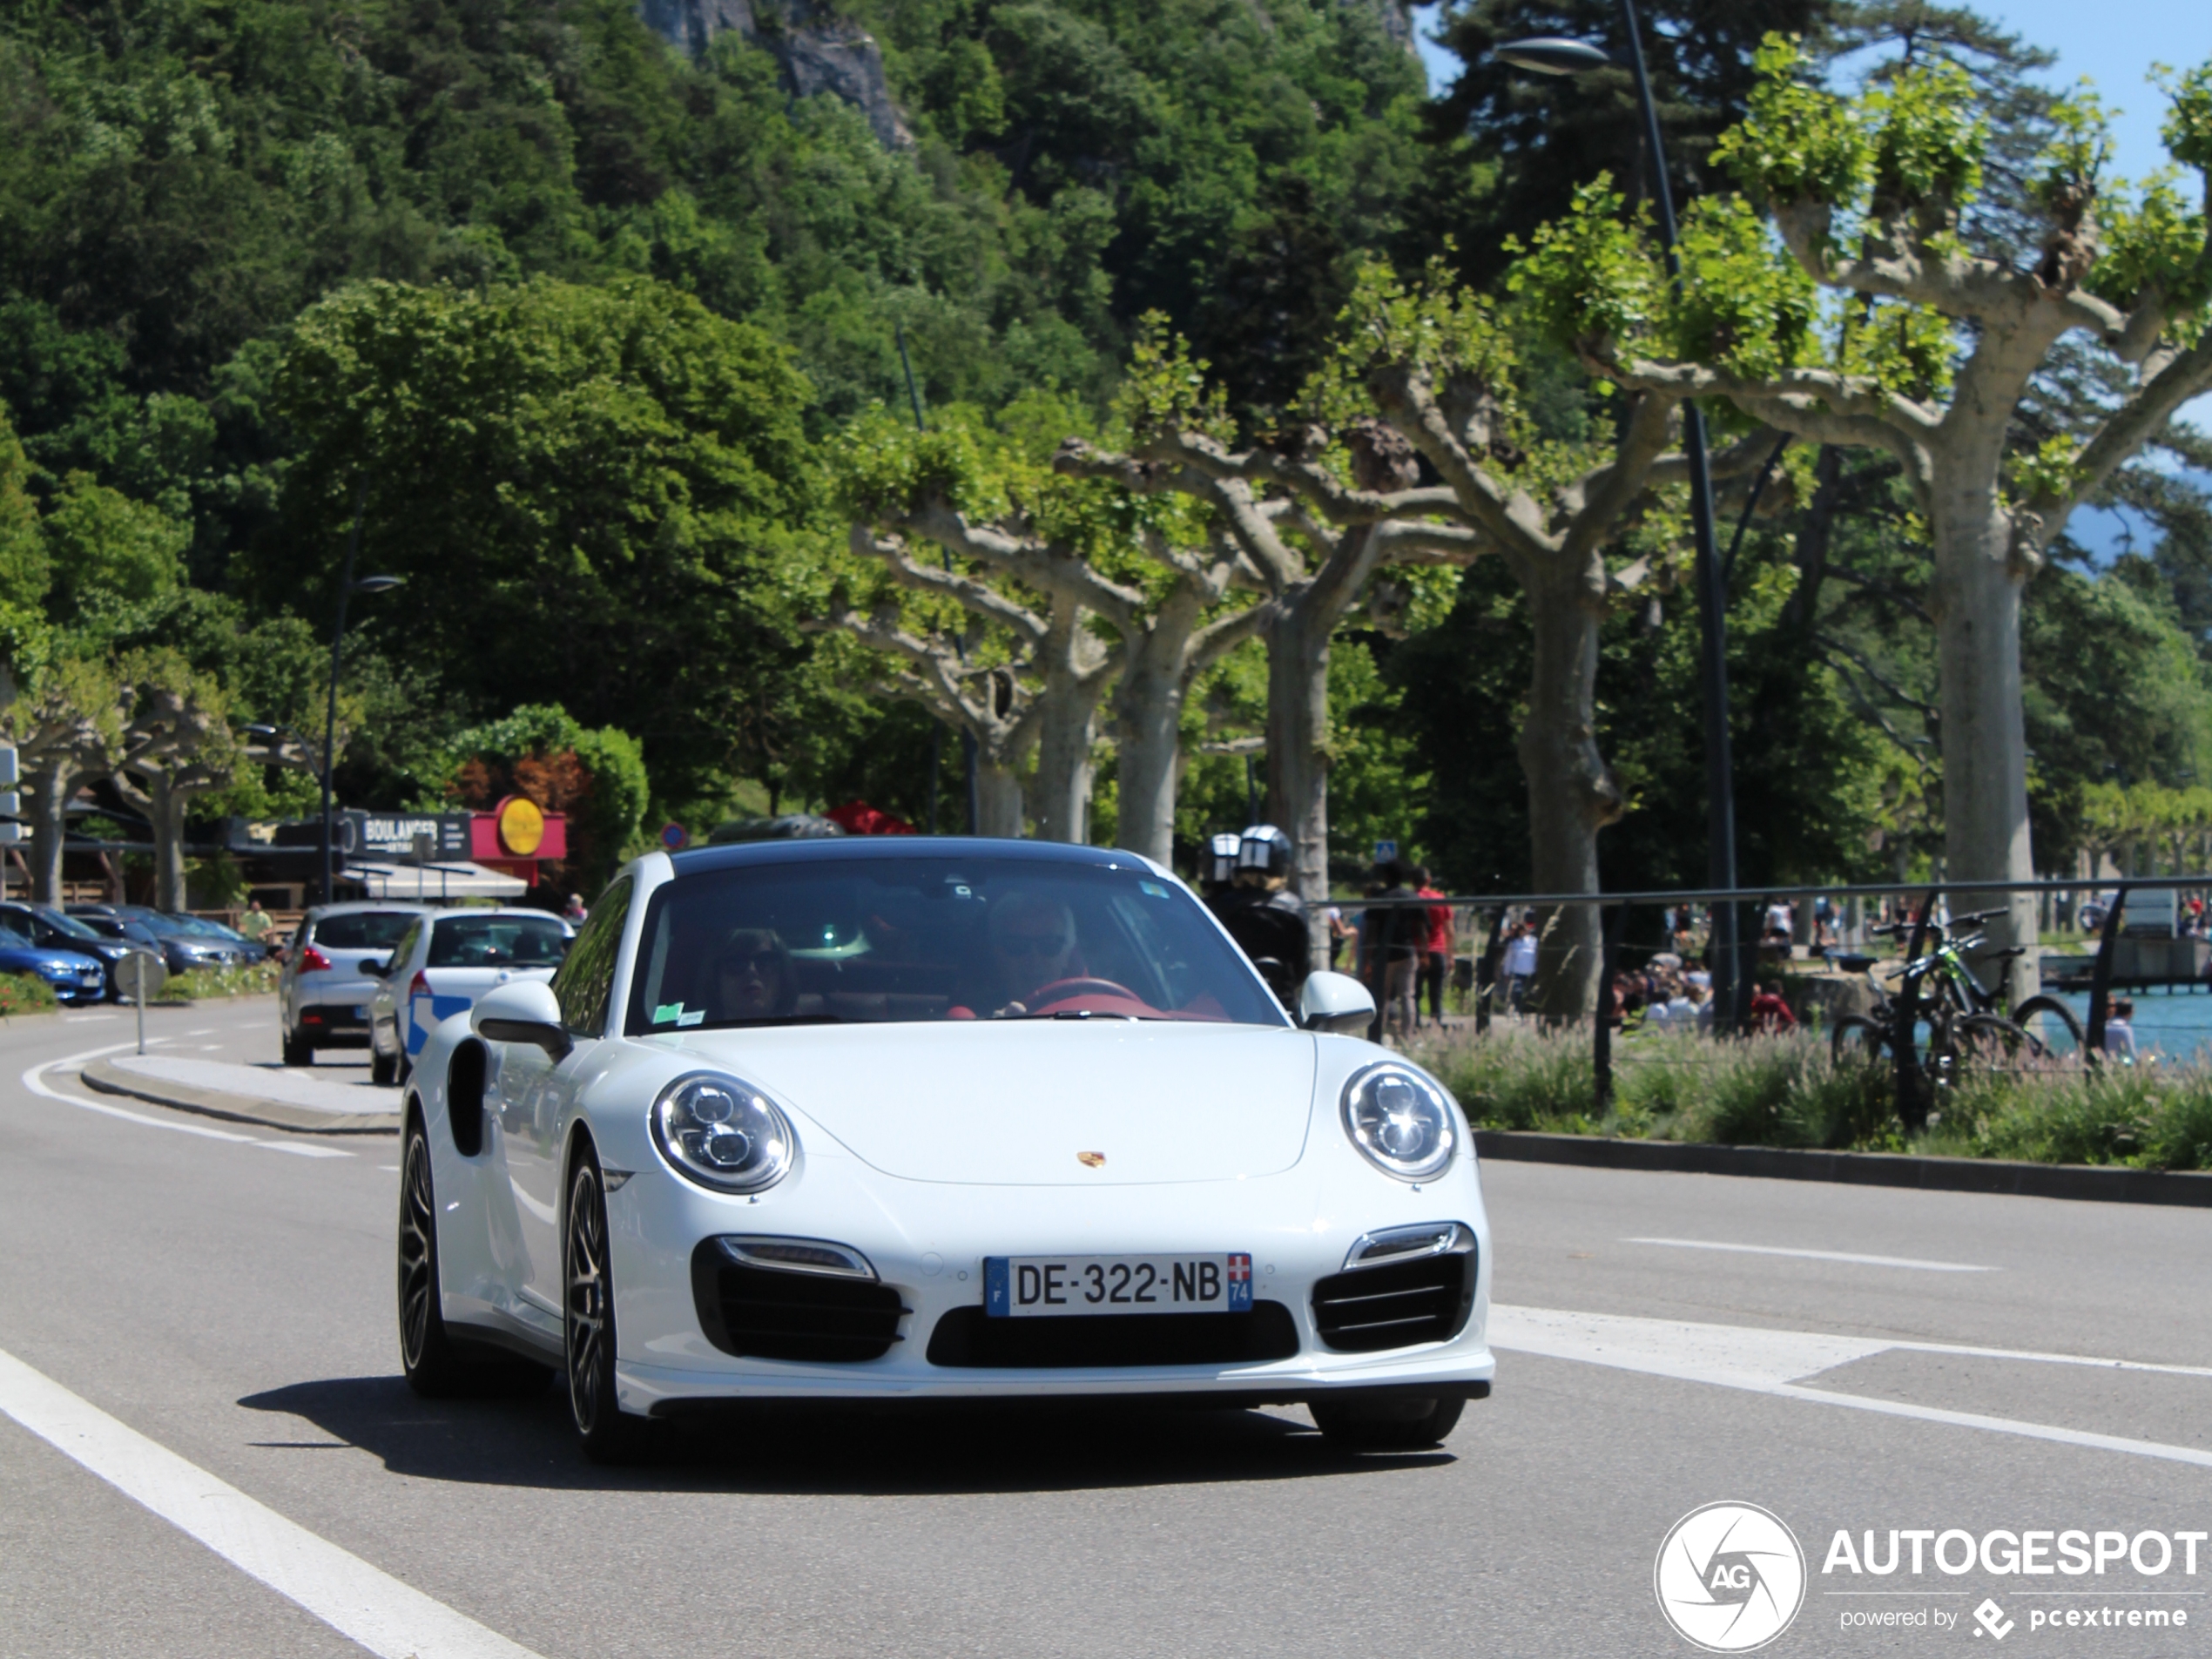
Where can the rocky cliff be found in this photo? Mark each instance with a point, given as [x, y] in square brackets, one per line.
[818, 52]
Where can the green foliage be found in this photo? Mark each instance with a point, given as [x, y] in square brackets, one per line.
[2188, 126]
[209, 984]
[1799, 142]
[1590, 276]
[26, 570]
[108, 551]
[1927, 141]
[1168, 390]
[1742, 309]
[555, 469]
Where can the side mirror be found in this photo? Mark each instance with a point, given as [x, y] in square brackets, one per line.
[522, 1011]
[1335, 1002]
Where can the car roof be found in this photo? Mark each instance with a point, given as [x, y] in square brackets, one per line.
[845, 849]
[486, 911]
[358, 906]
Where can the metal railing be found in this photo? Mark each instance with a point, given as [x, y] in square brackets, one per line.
[1912, 1027]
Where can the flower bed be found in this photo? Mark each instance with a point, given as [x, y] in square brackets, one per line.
[26, 993]
[1786, 1091]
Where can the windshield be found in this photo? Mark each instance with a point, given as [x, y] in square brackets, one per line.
[926, 939]
[362, 930]
[498, 941]
[68, 925]
[201, 926]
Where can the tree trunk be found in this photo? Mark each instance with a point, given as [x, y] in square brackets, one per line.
[1148, 718]
[998, 799]
[47, 790]
[166, 815]
[1066, 722]
[1976, 601]
[1297, 759]
[1572, 792]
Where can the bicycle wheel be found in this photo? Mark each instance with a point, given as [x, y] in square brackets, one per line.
[1985, 1044]
[2056, 1010]
[1858, 1038]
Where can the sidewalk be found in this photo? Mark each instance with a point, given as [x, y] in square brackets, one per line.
[274, 1095]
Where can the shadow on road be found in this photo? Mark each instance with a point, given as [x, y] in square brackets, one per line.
[873, 1451]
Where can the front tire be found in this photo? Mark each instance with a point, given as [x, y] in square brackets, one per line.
[383, 1068]
[589, 1322]
[297, 1051]
[1394, 1425]
[1858, 1038]
[2054, 1011]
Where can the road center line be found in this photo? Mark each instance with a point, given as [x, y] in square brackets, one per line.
[1774, 1362]
[389, 1618]
[1815, 1255]
[34, 1081]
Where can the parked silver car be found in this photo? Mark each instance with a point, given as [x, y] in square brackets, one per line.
[324, 992]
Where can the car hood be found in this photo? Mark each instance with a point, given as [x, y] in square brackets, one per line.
[1015, 1104]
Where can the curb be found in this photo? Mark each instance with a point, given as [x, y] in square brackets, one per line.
[237, 1109]
[2098, 1184]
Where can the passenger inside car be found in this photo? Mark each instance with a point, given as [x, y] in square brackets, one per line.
[1033, 944]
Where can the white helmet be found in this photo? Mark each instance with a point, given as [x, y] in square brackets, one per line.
[1221, 861]
[1266, 849]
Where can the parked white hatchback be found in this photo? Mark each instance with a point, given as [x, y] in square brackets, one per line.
[443, 964]
[896, 1120]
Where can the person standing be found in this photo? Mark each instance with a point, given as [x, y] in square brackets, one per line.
[255, 923]
[573, 912]
[1397, 932]
[1436, 949]
[1520, 966]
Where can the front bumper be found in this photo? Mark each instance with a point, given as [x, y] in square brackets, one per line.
[927, 1242]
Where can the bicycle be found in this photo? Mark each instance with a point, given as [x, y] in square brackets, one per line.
[1968, 1024]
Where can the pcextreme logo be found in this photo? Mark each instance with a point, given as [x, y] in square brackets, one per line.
[1729, 1577]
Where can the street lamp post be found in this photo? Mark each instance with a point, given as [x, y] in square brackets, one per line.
[1559, 56]
[347, 587]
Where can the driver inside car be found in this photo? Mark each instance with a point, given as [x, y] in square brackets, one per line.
[1033, 944]
[752, 977]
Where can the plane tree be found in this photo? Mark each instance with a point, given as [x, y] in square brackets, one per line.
[1836, 299]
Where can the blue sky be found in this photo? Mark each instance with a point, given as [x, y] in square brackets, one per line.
[2112, 43]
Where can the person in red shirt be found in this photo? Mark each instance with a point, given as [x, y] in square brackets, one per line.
[1770, 1013]
[1436, 951]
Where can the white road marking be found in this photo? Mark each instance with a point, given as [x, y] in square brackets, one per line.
[212, 1048]
[87, 1019]
[203, 1031]
[360, 1603]
[34, 1081]
[1816, 1255]
[1775, 1362]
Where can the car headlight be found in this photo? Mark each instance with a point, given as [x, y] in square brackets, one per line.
[1402, 1122]
[722, 1133]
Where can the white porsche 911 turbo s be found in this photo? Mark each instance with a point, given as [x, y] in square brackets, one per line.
[900, 1119]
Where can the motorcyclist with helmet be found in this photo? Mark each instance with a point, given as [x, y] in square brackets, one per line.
[1261, 913]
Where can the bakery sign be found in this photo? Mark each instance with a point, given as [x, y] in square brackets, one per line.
[391, 835]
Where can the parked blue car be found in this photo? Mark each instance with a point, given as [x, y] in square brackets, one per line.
[75, 977]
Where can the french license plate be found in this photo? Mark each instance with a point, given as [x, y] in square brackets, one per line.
[360, 1011]
[1016, 1287]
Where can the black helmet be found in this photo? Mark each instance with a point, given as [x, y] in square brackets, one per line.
[1221, 860]
[1266, 849]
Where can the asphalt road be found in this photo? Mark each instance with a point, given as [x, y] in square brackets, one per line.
[228, 1295]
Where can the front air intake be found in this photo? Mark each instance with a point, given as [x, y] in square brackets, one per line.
[767, 1313]
[1371, 1308]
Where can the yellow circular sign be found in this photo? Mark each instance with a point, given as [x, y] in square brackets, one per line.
[521, 826]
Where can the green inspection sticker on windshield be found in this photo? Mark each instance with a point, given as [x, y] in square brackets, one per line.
[670, 1013]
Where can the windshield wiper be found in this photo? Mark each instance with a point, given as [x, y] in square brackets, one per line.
[1077, 1014]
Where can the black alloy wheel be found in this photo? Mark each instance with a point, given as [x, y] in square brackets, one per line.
[434, 1369]
[589, 1322]
[1390, 1424]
